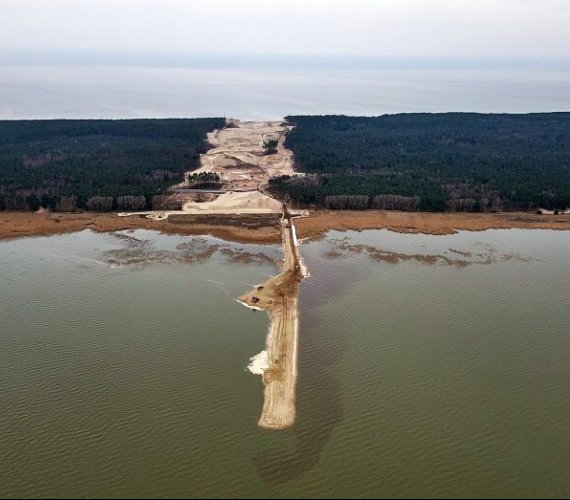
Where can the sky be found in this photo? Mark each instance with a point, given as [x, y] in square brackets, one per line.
[370, 28]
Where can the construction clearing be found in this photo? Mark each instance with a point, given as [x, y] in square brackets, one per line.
[245, 156]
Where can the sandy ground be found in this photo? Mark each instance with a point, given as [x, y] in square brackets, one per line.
[279, 296]
[238, 155]
[266, 230]
[236, 202]
[230, 204]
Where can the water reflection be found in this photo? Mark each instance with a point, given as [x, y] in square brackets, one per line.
[140, 252]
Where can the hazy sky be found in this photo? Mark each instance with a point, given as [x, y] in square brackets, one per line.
[480, 28]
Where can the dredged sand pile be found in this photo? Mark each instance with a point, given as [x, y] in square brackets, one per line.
[279, 297]
[236, 202]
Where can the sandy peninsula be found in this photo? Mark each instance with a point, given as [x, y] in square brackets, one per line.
[245, 155]
[279, 296]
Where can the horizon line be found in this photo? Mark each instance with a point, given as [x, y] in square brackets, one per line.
[65, 56]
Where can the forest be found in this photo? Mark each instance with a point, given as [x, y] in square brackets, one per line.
[97, 164]
[431, 162]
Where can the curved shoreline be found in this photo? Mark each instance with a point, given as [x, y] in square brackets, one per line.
[26, 224]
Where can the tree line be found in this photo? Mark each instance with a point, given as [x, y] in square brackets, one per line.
[97, 165]
[432, 162]
[204, 180]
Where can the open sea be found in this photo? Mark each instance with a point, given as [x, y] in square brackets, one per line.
[264, 89]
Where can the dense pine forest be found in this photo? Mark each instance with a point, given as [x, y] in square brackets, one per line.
[96, 164]
[434, 162]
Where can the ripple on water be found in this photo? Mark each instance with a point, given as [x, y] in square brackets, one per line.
[414, 379]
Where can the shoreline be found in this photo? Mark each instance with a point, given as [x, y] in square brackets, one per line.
[16, 225]
[266, 230]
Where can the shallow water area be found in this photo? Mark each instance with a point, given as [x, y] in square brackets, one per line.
[429, 366]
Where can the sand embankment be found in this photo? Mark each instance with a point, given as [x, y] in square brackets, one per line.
[279, 296]
[236, 202]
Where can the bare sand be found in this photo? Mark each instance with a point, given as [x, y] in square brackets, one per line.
[240, 158]
[236, 202]
[238, 155]
[279, 296]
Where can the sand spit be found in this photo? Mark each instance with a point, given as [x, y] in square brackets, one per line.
[279, 296]
[243, 213]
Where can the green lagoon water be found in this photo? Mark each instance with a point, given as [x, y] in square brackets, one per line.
[429, 366]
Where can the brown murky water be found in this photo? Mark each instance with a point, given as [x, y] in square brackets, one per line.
[429, 366]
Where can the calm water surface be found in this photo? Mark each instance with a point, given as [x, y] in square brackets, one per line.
[259, 93]
[430, 366]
